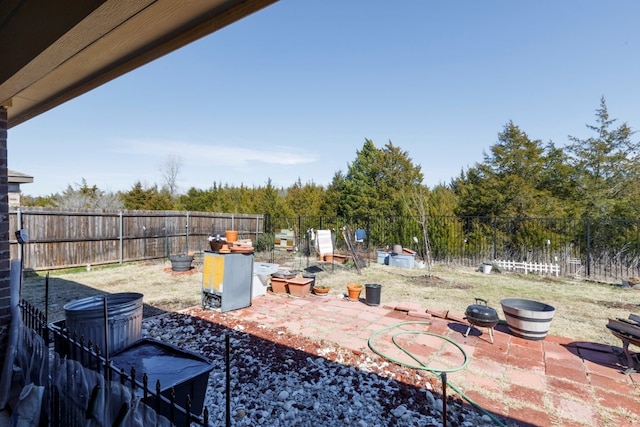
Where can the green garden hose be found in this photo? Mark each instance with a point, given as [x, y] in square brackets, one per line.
[421, 365]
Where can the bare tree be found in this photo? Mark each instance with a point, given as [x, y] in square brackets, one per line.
[84, 196]
[417, 201]
[170, 170]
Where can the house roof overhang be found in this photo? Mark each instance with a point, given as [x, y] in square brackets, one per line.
[15, 177]
[55, 50]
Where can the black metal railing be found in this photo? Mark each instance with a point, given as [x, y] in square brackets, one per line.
[84, 388]
[604, 249]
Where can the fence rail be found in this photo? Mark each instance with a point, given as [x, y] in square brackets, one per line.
[66, 238]
[604, 249]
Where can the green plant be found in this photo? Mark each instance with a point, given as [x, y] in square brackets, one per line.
[265, 242]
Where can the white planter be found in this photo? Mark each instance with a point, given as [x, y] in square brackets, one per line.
[486, 268]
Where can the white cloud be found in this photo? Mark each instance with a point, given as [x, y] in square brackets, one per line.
[208, 154]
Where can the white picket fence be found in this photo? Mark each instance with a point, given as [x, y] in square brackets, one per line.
[528, 267]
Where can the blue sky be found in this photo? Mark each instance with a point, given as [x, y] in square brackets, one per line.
[292, 91]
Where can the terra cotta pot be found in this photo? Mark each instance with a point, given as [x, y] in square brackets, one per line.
[299, 286]
[354, 290]
[278, 285]
[318, 290]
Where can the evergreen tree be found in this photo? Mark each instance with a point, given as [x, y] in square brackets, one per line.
[605, 165]
[557, 180]
[199, 200]
[140, 198]
[305, 200]
[330, 204]
[442, 201]
[271, 201]
[512, 181]
[376, 181]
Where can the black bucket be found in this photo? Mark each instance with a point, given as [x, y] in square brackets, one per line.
[372, 293]
[313, 281]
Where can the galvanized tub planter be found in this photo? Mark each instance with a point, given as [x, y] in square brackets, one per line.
[181, 262]
[527, 318]
[86, 318]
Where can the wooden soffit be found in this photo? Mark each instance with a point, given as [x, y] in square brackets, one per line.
[55, 50]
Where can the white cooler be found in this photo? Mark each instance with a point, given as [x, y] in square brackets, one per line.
[261, 273]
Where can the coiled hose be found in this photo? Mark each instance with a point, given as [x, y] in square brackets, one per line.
[421, 365]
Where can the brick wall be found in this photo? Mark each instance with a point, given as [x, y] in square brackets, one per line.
[5, 298]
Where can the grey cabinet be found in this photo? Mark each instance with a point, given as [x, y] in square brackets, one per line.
[227, 280]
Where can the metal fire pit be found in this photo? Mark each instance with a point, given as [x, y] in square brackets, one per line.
[481, 316]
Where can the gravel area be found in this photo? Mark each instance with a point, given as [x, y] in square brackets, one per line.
[280, 379]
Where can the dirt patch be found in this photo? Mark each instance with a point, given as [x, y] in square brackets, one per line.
[619, 305]
[437, 282]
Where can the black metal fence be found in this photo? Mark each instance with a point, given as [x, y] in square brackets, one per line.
[605, 249]
[82, 388]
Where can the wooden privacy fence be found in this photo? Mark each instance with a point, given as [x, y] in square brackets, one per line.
[73, 238]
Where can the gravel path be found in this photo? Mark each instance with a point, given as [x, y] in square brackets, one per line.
[280, 379]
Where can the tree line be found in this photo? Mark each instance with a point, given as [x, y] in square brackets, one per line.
[595, 177]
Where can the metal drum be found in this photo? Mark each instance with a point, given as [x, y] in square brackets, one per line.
[86, 317]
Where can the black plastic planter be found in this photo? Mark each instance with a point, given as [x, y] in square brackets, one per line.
[372, 293]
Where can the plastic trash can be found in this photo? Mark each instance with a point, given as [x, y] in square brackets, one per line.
[372, 293]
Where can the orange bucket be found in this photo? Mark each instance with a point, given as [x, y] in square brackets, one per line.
[231, 236]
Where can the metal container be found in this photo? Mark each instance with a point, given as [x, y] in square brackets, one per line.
[181, 262]
[86, 318]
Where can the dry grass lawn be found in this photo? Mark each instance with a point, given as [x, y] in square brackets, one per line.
[582, 308]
